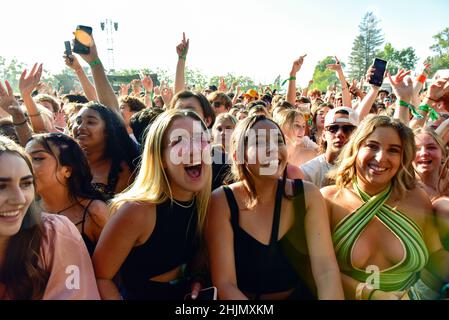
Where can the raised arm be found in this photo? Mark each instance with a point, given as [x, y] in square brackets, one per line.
[27, 83]
[147, 83]
[367, 102]
[9, 104]
[181, 49]
[88, 88]
[403, 91]
[291, 91]
[220, 245]
[105, 93]
[346, 95]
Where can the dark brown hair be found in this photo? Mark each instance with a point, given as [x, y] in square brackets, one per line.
[21, 273]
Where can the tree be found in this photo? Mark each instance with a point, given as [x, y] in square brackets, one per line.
[11, 71]
[441, 47]
[365, 46]
[323, 77]
[405, 58]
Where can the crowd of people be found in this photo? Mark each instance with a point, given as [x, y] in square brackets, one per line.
[160, 192]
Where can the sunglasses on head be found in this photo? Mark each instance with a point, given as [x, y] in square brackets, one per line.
[347, 128]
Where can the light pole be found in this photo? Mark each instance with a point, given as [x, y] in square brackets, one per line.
[109, 26]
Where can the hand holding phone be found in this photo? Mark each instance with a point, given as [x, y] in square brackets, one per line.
[68, 50]
[204, 294]
[378, 77]
[83, 40]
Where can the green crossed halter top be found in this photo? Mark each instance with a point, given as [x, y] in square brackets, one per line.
[348, 230]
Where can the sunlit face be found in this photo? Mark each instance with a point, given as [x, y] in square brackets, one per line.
[337, 135]
[16, 193]
[191, 103]
[297, 130]
[379, 157]
[89, 129]
[429, 155]
[186, 156]
[126, 112]
[320, 115]
[221, 133]
[266, 153]
[48, 173]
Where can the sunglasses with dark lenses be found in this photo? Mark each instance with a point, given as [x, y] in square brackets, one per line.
[347, 128]
[216, 104]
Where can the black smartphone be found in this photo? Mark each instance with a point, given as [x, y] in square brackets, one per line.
[205, 294]
[68, 50]
[83, 39]
[378, 76]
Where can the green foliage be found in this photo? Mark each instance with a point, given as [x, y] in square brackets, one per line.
[323, 77]
[11, 71]
[441, 48]
[243, 81]
[405, 58]
[365, 46]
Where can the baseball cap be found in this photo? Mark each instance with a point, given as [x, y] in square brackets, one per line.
[251, 93]
[349, 116]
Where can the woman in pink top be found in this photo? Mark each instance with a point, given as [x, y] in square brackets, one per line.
[42, 256]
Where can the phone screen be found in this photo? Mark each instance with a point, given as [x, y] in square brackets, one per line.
[378, 77]
[205, 294]
[68, 48]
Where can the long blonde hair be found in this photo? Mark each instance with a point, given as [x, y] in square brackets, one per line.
[151, 184]
[345, 171]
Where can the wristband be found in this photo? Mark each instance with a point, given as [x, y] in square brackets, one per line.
[431, 99]
[285, 81]
[34, 115]
[421, 78]
[95, 62]
[412, 109]
[432, 112]
[21, 123]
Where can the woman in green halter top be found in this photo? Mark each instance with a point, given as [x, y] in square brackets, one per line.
[382, 223]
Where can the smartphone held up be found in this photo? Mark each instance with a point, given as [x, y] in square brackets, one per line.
[83, 39]
[378, 76]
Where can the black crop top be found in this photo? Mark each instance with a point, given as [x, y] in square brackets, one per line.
[173, 243]
[89, 244]
[260, 268]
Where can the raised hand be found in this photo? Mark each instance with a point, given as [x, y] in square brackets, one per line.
[438, 89]
[7, 100]
[166, 93]
[297, 64]
[404, 91]
[72, 62]
[183, 48]
[335, 66]
[124, 89]
[28, 83]
[369, 74]
[93, 54]
[147, 83]
[157, 91]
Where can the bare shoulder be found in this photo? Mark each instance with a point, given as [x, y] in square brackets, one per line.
[293, 172]
[418, 198]
[329, 192]
[441, 206]
[98, 211]
[135, 214]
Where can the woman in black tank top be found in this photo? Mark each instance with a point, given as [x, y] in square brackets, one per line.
[152, 240]
[257, 228]
[63, 183]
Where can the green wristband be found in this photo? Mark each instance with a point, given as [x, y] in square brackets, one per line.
[95, 62]
[412, 109]
[432, 112]
[285, 81]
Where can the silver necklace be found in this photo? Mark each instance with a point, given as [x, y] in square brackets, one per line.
[184, 206]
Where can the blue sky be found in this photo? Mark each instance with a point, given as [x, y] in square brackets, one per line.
[259, 39]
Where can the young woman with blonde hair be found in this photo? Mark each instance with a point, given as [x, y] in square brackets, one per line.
[381, 221]
[154, 233]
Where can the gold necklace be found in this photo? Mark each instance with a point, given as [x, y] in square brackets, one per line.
[184, 206]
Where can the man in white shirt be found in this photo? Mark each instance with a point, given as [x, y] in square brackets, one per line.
[339, 124]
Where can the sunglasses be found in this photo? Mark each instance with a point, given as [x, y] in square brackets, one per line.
[347, 128]
[216, 104]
